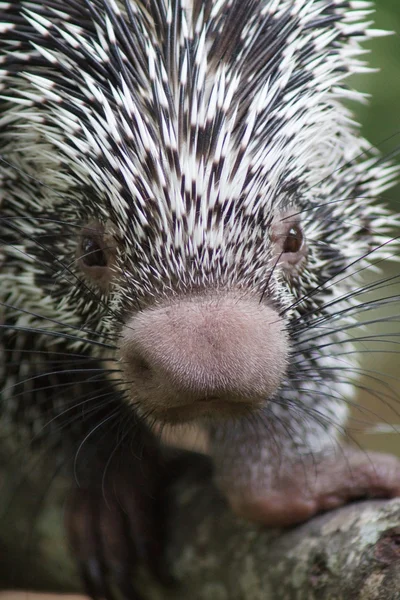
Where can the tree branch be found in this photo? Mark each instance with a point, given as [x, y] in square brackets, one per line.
[351, 553]
[348, 554]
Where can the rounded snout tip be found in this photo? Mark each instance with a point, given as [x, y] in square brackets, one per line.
[203, 353]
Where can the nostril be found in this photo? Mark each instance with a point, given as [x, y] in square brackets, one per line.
[209, 399]
[141, 367]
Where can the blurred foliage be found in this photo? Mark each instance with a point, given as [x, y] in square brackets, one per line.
[380, 118]
[379, 393]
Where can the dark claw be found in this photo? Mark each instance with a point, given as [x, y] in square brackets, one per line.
[94, 580]
[103, 546]
[82, 520]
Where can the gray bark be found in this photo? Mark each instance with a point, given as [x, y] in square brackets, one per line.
[351, 553]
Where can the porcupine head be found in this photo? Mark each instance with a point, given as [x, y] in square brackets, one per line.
[187, 186]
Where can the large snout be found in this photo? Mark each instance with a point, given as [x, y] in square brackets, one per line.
[203, 357]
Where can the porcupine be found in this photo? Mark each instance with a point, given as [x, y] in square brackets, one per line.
[185, 207]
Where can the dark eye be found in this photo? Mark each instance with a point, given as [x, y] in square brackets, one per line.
[92, 254]
[294, 240]
[288, 241]
[94, 249]
[96, 254]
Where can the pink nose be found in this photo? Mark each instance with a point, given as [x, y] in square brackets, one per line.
[203, 350]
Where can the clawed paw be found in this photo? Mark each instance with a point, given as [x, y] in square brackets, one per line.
[114, 527]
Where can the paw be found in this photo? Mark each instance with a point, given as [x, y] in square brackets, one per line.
[114, 527]
[305, 489]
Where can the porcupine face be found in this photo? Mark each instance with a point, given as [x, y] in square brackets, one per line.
[187, 184]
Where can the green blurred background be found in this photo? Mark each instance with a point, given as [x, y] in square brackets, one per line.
[381, 118]
[381, 125]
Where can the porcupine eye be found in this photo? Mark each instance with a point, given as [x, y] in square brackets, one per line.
[95, 254]
[92, 253]
[288, 242]
[294, 240]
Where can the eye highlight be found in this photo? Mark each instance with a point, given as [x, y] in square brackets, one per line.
[288, 242]
[92, 249]
[93, 254]
[294, 240]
